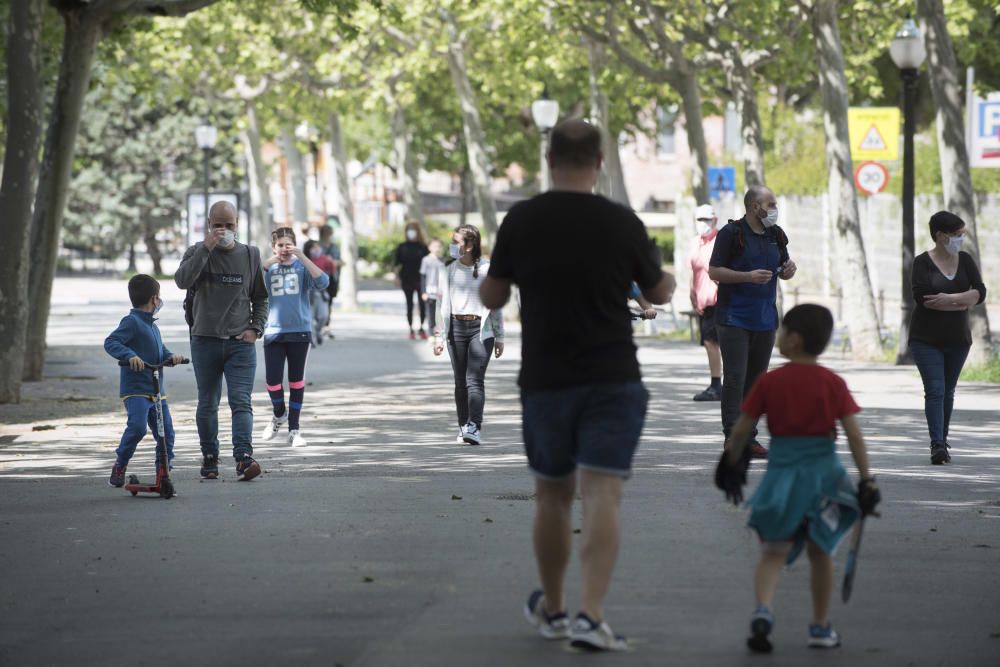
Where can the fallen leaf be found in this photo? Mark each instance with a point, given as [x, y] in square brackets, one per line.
[488, 520]
[43, 427]
[577, 531]
[368, 580]
[454, 497]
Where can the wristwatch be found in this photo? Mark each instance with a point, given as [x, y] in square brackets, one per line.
[257, 330]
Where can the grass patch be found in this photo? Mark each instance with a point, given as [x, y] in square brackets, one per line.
[988, 372]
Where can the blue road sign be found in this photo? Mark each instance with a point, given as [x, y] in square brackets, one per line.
[721, 180]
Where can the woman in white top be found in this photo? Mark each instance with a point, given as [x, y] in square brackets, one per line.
[472, 331]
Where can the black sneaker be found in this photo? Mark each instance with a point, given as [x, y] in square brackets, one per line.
[117, 476]
[939, 453]
[210, 467]
[247, 468]
[710, 394]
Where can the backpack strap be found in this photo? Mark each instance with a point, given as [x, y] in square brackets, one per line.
[739, 243]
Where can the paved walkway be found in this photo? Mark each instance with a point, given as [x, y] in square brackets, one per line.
[384, 543]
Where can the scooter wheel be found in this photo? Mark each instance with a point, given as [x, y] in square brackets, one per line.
[134, 493]
[166, 488]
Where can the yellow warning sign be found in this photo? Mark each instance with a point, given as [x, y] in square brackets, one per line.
[874, 133]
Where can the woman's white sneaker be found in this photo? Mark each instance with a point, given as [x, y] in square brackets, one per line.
[272, 429]
[295, 439]
[555, 626]
[594, 636]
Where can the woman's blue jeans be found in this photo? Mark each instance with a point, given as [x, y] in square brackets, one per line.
[939, 368]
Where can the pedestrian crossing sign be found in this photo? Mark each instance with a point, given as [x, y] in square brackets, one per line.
[874, 133]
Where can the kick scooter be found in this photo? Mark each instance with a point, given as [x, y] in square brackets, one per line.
[162, 486]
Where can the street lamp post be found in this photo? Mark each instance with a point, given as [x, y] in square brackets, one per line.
[205, 136]
[545, 113]
[907, 51]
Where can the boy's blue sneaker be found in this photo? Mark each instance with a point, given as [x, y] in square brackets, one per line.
[761, 624]
[823, 636]
[117, 476]
[555, 626]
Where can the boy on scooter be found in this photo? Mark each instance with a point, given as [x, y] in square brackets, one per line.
[136, 338]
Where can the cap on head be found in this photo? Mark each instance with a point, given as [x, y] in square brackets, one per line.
[704, 212]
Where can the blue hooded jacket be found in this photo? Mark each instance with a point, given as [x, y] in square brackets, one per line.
[137, 336]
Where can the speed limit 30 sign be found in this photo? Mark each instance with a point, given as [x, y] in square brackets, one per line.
[871, 177]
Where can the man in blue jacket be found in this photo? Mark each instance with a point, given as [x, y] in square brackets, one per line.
[137, 339]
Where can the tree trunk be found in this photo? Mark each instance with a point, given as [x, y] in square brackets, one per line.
[152, 246]
[20, 169]
[465, 192]
[686, 84]
[405, 164]
[860, 312]
[475, 141]
[348, 293]
[296, 177]
[954, 156]
[612, 180]
[260, 197]
[742, 81]
[82, 33]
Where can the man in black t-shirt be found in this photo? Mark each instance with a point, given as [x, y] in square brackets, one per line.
[573, 255]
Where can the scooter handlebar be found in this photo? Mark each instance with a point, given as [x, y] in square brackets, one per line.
[185, 360]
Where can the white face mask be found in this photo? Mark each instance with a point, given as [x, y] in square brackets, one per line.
[703, 228]
[954, 244]
[772, 218]
[454, 251]
[158, 306]
[228, 238]
[411, 235]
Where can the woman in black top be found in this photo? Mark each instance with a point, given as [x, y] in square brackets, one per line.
[407, 260]
[946, 283]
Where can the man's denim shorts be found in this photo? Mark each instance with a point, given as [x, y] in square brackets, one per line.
[596, 427]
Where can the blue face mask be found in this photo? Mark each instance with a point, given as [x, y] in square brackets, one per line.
[158, 307]
[454, 251]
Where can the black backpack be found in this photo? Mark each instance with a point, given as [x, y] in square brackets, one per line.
[739, 243]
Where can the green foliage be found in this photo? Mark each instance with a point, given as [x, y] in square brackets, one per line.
[380, 250]
[988, 372]
[664, 239]
[134, 164]
[794, 157]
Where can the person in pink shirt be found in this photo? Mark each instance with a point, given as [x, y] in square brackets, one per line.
[704, 292]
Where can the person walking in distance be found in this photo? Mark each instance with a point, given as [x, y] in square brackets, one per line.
[749, 256]
[946, 283]
[573, 255]
[430, 289]
[704, 293]
[407, 258]
[471, 331]
[228, 313]
[291, 278]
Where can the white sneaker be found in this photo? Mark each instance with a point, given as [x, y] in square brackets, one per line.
[460, 438]
[590, 636]
[272, 429]
[471, 434]
[550, 627]
[295, 439]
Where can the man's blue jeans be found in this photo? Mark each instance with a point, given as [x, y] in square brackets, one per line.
[236, 360]
[939, 368]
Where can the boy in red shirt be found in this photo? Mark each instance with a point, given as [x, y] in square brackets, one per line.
[805, 500]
